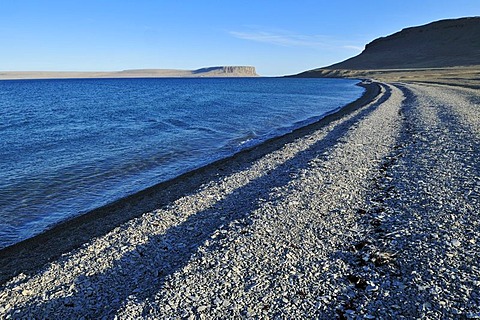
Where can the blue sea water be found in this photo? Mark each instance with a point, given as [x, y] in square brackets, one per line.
[69, 146]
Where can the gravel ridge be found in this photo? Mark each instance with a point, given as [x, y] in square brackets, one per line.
[372, 216]
[426, 211]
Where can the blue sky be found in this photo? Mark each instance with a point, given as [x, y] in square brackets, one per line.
[277, 37]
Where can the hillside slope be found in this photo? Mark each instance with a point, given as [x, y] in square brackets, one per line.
[444, 43]
[445, 51]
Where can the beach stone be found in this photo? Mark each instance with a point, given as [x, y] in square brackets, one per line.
[456, 243]
[202, 308]
[27, 292]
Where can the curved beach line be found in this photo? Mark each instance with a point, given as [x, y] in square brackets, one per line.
[30, 254]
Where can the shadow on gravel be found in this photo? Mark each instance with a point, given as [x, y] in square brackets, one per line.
[141, 273]
[368, 248]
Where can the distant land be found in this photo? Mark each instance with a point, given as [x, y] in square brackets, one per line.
[445, 49]
[220, 71]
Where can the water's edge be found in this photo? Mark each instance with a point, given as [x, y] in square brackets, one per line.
[70, 147]
[71, 233]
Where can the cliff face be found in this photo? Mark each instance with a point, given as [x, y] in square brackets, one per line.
[240, 70]
[227, 71]
[220, 71]
[445, 43]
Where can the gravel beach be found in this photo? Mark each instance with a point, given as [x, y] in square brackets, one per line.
[370, 215]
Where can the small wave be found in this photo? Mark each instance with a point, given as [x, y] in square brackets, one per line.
[177, 123]
[244, 138]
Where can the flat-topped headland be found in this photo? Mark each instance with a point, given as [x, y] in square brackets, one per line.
[220, 71]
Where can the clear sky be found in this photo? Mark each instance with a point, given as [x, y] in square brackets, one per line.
[276, 36]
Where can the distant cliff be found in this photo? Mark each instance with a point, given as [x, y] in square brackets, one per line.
[440, 44]
[220, 71]
[228, 71]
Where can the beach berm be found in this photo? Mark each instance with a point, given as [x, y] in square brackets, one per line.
[370, 213]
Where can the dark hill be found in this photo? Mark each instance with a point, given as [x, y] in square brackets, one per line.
[444, 43]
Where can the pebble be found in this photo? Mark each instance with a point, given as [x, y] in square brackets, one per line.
[456, 243]
[202, 308]
[27, 292]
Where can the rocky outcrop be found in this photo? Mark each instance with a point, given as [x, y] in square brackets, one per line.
[228, 71]
[240, 70]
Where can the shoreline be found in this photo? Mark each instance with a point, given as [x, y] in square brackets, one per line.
[468, 76]
[373, 214]
[30, 254]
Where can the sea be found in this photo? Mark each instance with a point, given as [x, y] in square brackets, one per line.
[68, 146]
